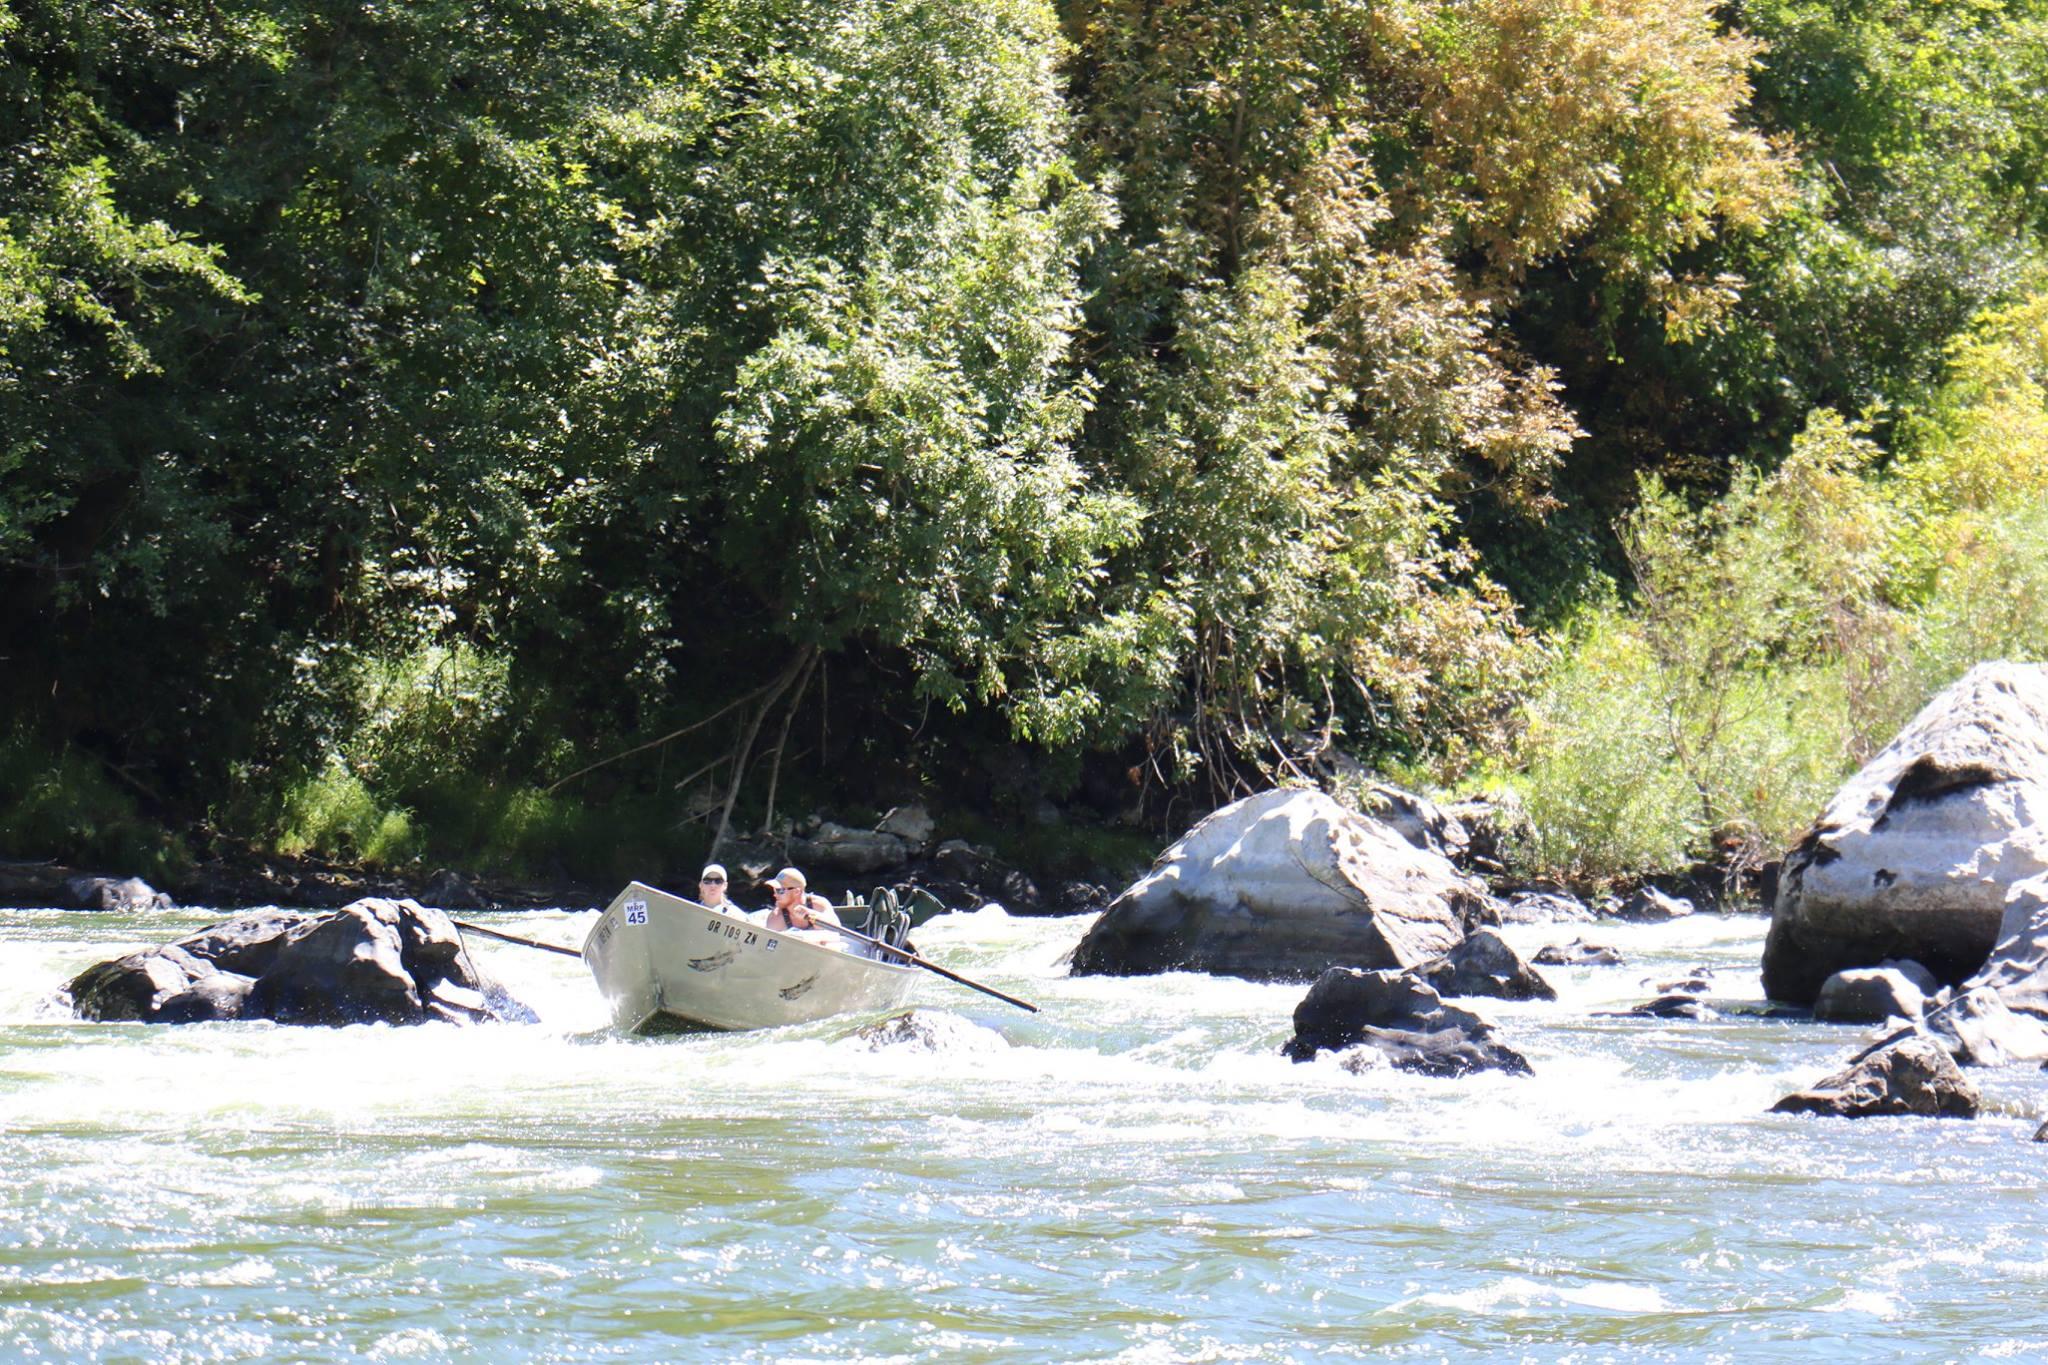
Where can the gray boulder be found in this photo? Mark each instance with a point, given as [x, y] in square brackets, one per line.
[1915, 855]
[1400, 1017]
[2017, 967]
[128, 895]
[1978, 1030]
[1913, 1075]
[372, 961]
[1648, 905]
[913, 824]
[1484, 964]
[1577, 953]
[1545, 907]
[1868, 995]
[1280, 886]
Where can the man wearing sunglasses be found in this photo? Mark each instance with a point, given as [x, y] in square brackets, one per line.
[794, 908]
[711, 891]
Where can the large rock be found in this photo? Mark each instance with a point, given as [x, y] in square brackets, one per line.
[1979, 1030]
[1400, 1017]
[375, 960]
[1868, 995]
[1484, 964]
[1914, 1075]
[1280, 886]
[1914, 857]
[2018, 965]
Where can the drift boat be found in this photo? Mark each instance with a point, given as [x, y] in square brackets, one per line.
[666, 964]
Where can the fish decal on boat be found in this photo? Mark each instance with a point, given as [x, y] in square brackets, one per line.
[715, 961]
[792, 992]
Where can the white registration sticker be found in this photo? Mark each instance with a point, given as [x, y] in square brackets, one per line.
[636, 912]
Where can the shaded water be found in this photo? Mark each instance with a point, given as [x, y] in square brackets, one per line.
[1133, 1175]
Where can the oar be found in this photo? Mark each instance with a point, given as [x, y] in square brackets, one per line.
[514, 938]
[934, 967]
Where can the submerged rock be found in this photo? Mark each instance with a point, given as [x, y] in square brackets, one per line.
[1282, 885]
[1913, 1075]
[1484, 964]
[1915, 855]
[373, 961]
[927, 1031]
[129, 895]
[1399, 1016]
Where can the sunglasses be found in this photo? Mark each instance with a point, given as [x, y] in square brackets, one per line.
[711, 881]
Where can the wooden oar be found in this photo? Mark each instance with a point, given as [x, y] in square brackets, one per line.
[514, 938]
[929, 966]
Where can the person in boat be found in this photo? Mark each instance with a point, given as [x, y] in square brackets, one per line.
[795, 907]
[711, 891]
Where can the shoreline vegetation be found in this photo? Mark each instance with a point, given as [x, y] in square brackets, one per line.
[565, 442]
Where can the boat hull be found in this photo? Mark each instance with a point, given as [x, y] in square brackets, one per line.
[666, 964]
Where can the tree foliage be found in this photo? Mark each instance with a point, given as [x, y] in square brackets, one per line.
[464, 414]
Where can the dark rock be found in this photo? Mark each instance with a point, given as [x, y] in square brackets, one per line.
[1915, 855]
[1280, 886]
[135, 987]
[1650, 906]
[1545, 907]
[1578, 953]
[1673, 1007]
[1444, 1053]
[1494, 824]
[927, 1031]
[448, 890]
[1400, 1016]
[1484, 964]
[2041, 1133]
[834, 848]
[376, 960]
[1914, 1075]
[129, 895]
[963, 862]
[1077, 898]
[1868, 995]
[1021, 894]
[1696, 984]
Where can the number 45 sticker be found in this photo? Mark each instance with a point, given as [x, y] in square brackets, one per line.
[636, 912]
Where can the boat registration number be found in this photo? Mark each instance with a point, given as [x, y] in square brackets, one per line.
[747, 937]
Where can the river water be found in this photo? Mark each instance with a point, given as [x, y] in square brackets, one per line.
[1134, 1174]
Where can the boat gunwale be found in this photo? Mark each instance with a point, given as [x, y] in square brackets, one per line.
[740, 917]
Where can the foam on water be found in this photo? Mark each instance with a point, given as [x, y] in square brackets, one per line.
[1136, 1173]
